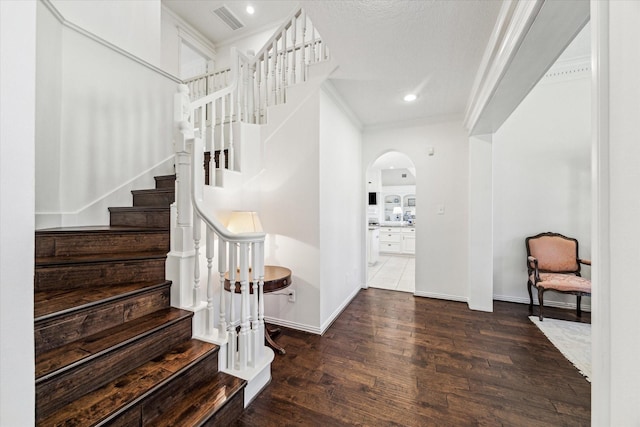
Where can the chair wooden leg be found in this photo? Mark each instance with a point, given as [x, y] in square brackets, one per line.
[578, 309]
[540, 301]
[530, 297]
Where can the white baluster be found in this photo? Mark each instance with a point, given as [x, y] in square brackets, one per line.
[312, 52]
[230, 145]
[222, 261]
[232, 340]
[212, 147]
[266, 83]
[196, 260]
[210, 290]
[223, 113]
[274, 74]
[294, 36]
[256, 338]
[244, 302]
[203, 123]
[260, 268]
[284, 67]
[303, 64]
[257, 92]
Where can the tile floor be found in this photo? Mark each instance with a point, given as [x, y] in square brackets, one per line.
[395, 272]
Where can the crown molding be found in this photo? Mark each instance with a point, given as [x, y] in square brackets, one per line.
[421, 121]
[528, 38]
[192, 36]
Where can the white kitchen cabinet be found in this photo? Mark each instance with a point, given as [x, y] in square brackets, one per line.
[398, 240]
[390, 240]
[373, 245]
[408, 240]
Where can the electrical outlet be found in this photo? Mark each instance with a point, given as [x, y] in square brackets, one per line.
[292, 295]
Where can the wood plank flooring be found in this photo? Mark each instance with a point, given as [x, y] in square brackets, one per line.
[392, 359]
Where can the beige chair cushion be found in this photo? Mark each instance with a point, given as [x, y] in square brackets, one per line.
[563, 282]
[554, 253]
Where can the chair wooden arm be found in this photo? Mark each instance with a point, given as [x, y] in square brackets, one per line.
[533, 260]
[584, 261]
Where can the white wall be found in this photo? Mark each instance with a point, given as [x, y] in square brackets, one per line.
[616, 329]
[341, 206]
[290, 213]
[113, 127]
[133, 25]
[441, 179]
[48, 108]
[17, 126]
[253, 42]
[542, 179]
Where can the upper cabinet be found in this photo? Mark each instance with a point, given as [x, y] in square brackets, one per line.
[391, 202]
[409, 207]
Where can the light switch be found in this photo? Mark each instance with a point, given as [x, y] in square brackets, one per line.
[431, 151]
[440, 209]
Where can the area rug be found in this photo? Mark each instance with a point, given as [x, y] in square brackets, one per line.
[573, 339]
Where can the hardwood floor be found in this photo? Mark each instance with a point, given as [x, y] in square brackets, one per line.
[392, 359]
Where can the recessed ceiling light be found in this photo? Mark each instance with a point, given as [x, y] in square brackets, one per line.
[250, 10]
[410, 97]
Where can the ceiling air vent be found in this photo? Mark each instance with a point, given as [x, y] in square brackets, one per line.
[228, 17]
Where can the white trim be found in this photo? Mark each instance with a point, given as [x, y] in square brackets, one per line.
[105, 43]
[577, 68]
[556, 304]
[440, 296]
[192, 36]
[104, 196]
[293, 325]
[423, 121]
[600, 218]
[514, 21]
[327, 324]
[273, 25]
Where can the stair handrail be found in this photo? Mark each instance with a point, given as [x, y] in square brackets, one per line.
[278, 33]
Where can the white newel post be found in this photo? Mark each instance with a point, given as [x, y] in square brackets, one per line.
[179, 266]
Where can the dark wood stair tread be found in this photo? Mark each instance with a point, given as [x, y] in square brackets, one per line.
[200, 403]
[60, 359]
[165, 181]
[154, 191]
[115, 397]
[100, 258]
[139, 209]
[95, 229]
[52, 303]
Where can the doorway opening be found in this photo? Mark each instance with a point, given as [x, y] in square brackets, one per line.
[391, 222]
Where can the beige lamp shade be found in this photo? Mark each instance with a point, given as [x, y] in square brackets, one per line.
[397, 210]
[244, 222]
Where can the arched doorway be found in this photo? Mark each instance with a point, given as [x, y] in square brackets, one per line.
[391, 222]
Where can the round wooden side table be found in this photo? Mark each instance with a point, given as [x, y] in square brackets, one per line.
[276, 278]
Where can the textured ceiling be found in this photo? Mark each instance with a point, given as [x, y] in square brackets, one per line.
[386, 48]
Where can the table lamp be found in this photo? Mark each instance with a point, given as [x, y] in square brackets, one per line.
[397, 211]
[244, 222]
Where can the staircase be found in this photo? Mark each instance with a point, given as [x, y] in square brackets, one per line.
[110, 350]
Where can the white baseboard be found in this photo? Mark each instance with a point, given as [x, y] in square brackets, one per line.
[293, 325]
[556, 304]
[314, 329]
[440, 296]
[339, 310]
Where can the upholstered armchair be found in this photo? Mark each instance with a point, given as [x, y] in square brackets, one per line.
[553, 265]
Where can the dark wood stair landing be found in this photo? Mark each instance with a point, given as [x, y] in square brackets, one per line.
[109, 348]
